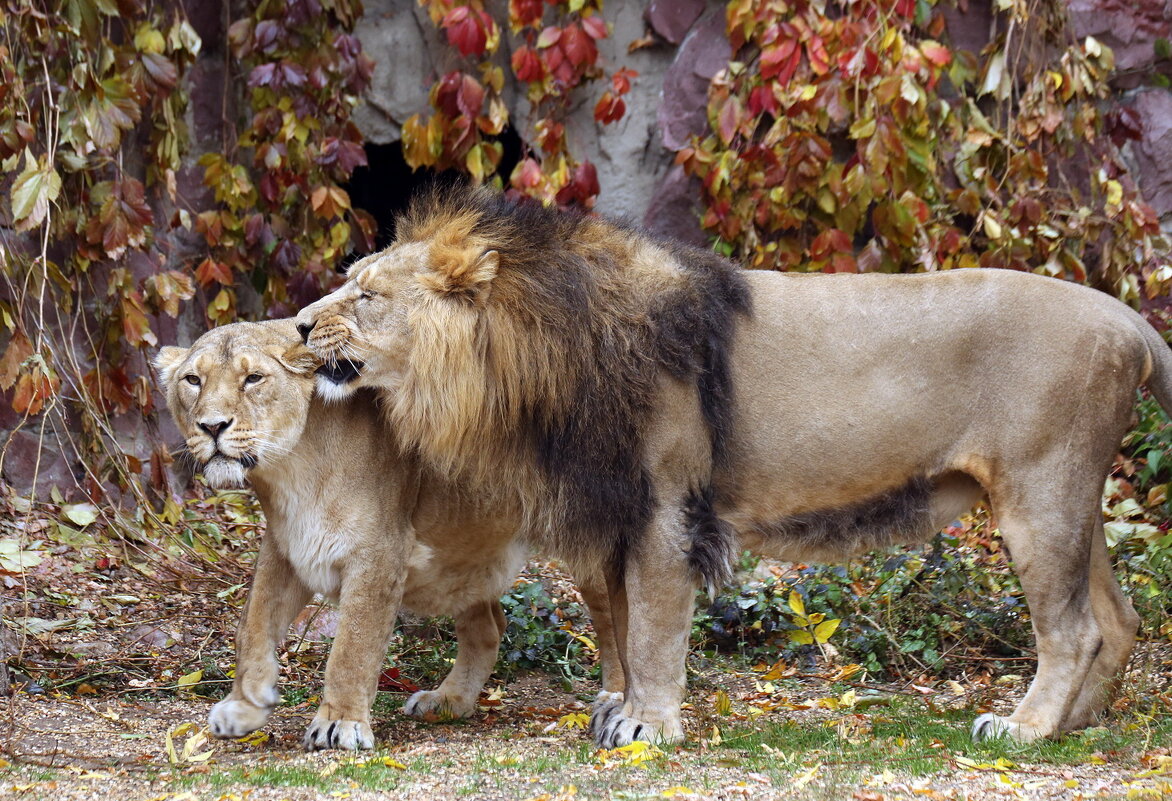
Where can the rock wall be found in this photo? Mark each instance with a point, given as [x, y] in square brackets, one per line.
[668, 101]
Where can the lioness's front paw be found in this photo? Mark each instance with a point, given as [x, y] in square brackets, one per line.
[348, 735]
[236, 717]
[990, 726]
[432, 705]
[613, 728]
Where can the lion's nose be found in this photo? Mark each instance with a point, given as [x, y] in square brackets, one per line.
[214, 427]
[304, 329]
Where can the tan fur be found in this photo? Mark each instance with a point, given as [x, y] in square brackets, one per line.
[350, 518]
[930, 391]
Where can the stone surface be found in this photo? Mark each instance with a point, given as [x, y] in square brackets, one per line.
[21, 464]
[1129, 27]
[1153, 153]
[675, 210]
[408, 56]
[683, 107]
[672, 19]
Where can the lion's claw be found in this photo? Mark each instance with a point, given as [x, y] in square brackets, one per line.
[347, 735]
[989, 727]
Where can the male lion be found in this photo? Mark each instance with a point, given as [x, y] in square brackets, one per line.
[592, 369]
[350, 518]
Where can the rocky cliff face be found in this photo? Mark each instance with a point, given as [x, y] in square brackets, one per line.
[667, 104]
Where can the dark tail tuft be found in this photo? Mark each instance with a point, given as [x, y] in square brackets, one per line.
[712, 540]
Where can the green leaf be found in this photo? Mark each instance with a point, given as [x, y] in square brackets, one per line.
[33, 190]
[80, 514]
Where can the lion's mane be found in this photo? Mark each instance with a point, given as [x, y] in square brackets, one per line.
[556, 366]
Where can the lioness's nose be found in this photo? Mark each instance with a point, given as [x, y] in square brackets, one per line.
[214, 427]
[304, 329]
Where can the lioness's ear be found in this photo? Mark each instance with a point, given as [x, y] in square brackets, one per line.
[167, 359]
[299, 359]
[459, 271]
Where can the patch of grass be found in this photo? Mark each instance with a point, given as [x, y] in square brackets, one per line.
[368, 774]
[910, 737]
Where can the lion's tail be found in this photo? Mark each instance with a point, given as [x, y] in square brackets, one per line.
[1159, 382]
[713, 541]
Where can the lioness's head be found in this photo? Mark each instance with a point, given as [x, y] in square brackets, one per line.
[240, 395]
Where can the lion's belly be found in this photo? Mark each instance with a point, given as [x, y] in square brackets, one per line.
[855, 387]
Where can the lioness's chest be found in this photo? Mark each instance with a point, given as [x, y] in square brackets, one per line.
[316, 549]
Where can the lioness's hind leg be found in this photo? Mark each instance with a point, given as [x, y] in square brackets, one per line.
[598, 600]
[478, 636]
[1118, 624]
[1051, 549]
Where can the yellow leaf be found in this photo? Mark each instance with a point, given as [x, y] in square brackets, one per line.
[801, 637]
[808, 92]
[824, 630]
[723, 703]
[507, 759]
[796, 603]
[1070, 783]
[861, 129]
[815, 619]
[255, 738]
[191, 678]
[992, 227]
[574, 720]
[1114, 192]
[679, 789]
[394, 763]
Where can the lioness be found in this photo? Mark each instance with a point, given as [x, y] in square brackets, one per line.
[840, 414]
[350, 518]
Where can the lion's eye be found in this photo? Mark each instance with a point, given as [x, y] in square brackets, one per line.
[192, 379]
[367, 294]
[253, 379]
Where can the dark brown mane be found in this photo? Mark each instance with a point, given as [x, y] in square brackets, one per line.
[582, 316]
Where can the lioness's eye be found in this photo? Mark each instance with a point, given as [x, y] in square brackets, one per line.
[252, 379]
[192, 379]
[367, 294]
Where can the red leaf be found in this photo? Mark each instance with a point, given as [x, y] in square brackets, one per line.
[549, 37]
[763, 101]
[210, 270]
[527, 65]
[578, 47]
[525, 13]
[582, 188]
[830, 241]
[391, 679]
[775, 57]
[470, 96]
[819, 60]
[730, 118]
[160, 70]
[621, 80]
[609, 108]
[936, 53]
[466, 31]
[595, 27]
[526, 175]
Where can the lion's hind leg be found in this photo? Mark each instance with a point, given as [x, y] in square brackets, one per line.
[478, 635]
[1049, 534]
[1118, 624]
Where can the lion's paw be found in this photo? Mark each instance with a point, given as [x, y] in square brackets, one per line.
[991, 727]
[433, 706]
[347, 735]
[613, 729]
[236, 717]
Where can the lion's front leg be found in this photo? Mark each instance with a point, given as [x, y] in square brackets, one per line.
[478, 636]
[372, 587]
[275, 598]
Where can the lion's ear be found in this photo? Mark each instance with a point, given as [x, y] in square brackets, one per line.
[460, 272]
[167, 359]
[299, 359]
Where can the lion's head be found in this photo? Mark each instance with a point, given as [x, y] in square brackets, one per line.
[240, 395]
